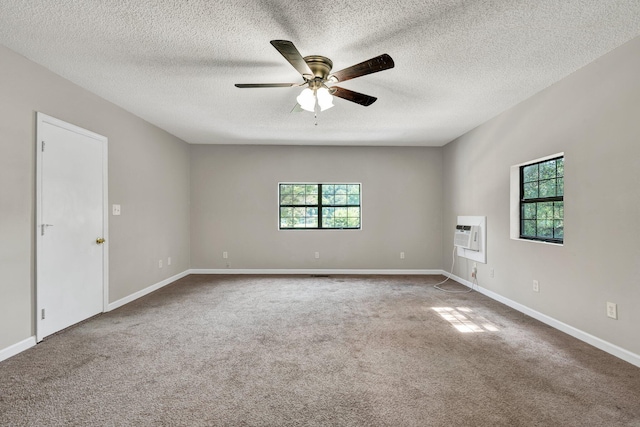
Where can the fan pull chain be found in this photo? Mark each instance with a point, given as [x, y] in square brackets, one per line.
[315, 111]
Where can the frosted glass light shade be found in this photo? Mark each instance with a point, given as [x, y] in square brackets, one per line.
[307, 100]
[325, 100]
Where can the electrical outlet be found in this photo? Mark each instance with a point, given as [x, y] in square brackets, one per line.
[401, 255]
[317, 255]
[612, 310]
[116, 210]
[225, 255]
[169, 261]
[536, 286]
[492, 273]
[159, 263]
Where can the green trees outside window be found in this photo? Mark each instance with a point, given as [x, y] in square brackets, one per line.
[542, 201]
[319, 206]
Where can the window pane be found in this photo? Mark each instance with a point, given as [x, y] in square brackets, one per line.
[547, 188]
[328, 223]
[341, 222]
[299, 189]
[341, 189]
[286, 222]
[328, 189]
[560, 186]
[312, 212]
[286, 199]
[353, 199]
[548, 169]
[529, 211]
[530, 173]
[327, 199]
[353, 189]
[545, 210]
[545, 228]
[340, 212]
[558, 210]
[298, 199]
[311, 189]
[286, 212]
[558, 229]
[560, 166]
[286, 189]
[529, 228]
[327, 212]
[353, 222]
[312, 222]
[299, 212]
[311, 199]
[531, 190]
[340, 199]
[353, 212]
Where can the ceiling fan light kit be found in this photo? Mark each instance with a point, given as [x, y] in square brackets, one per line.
[316, 72]
[308, 99]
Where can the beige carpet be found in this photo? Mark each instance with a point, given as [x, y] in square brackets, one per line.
[316, 351]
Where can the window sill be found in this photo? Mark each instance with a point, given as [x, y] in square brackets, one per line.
[537, 241]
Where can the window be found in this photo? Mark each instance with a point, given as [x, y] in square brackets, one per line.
[319, 206]
[542, 200]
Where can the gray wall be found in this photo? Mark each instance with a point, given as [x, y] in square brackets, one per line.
[593, 117]
[234, 207]
[148, 176]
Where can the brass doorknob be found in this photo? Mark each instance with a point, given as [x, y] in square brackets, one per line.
[100, 240]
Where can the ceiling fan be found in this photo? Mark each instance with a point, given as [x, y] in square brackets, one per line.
[316, 72]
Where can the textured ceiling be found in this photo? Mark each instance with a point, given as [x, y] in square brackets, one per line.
[175, 62]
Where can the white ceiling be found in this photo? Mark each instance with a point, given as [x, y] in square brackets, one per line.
[174, 62]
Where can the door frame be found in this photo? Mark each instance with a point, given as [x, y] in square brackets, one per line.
[41, 120]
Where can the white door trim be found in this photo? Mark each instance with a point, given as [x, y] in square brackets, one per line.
[41, 119]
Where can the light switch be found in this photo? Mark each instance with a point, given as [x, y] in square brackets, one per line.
[116, 209]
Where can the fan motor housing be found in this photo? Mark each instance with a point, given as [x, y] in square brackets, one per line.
[320, 66]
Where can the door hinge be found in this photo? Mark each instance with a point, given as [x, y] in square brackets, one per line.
[43, 146]
[42, 314]
[43, 227]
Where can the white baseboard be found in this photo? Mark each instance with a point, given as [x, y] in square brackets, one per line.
[16, 348]
[603, 345]
[304, 271]
[147, 290]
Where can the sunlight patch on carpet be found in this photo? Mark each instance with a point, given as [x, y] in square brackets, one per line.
[464, 320]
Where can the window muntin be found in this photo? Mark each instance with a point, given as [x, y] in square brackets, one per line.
[542, 200]
[319, 206]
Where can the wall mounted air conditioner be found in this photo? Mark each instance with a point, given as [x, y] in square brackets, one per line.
[467, 237]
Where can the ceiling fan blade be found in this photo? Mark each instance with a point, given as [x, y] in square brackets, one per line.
[349, 95]
[291, 54]
[252, 85]
[373, 65]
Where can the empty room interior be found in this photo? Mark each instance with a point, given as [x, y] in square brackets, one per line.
[231, 252]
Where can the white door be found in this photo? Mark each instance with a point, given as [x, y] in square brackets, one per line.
[71, 224]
